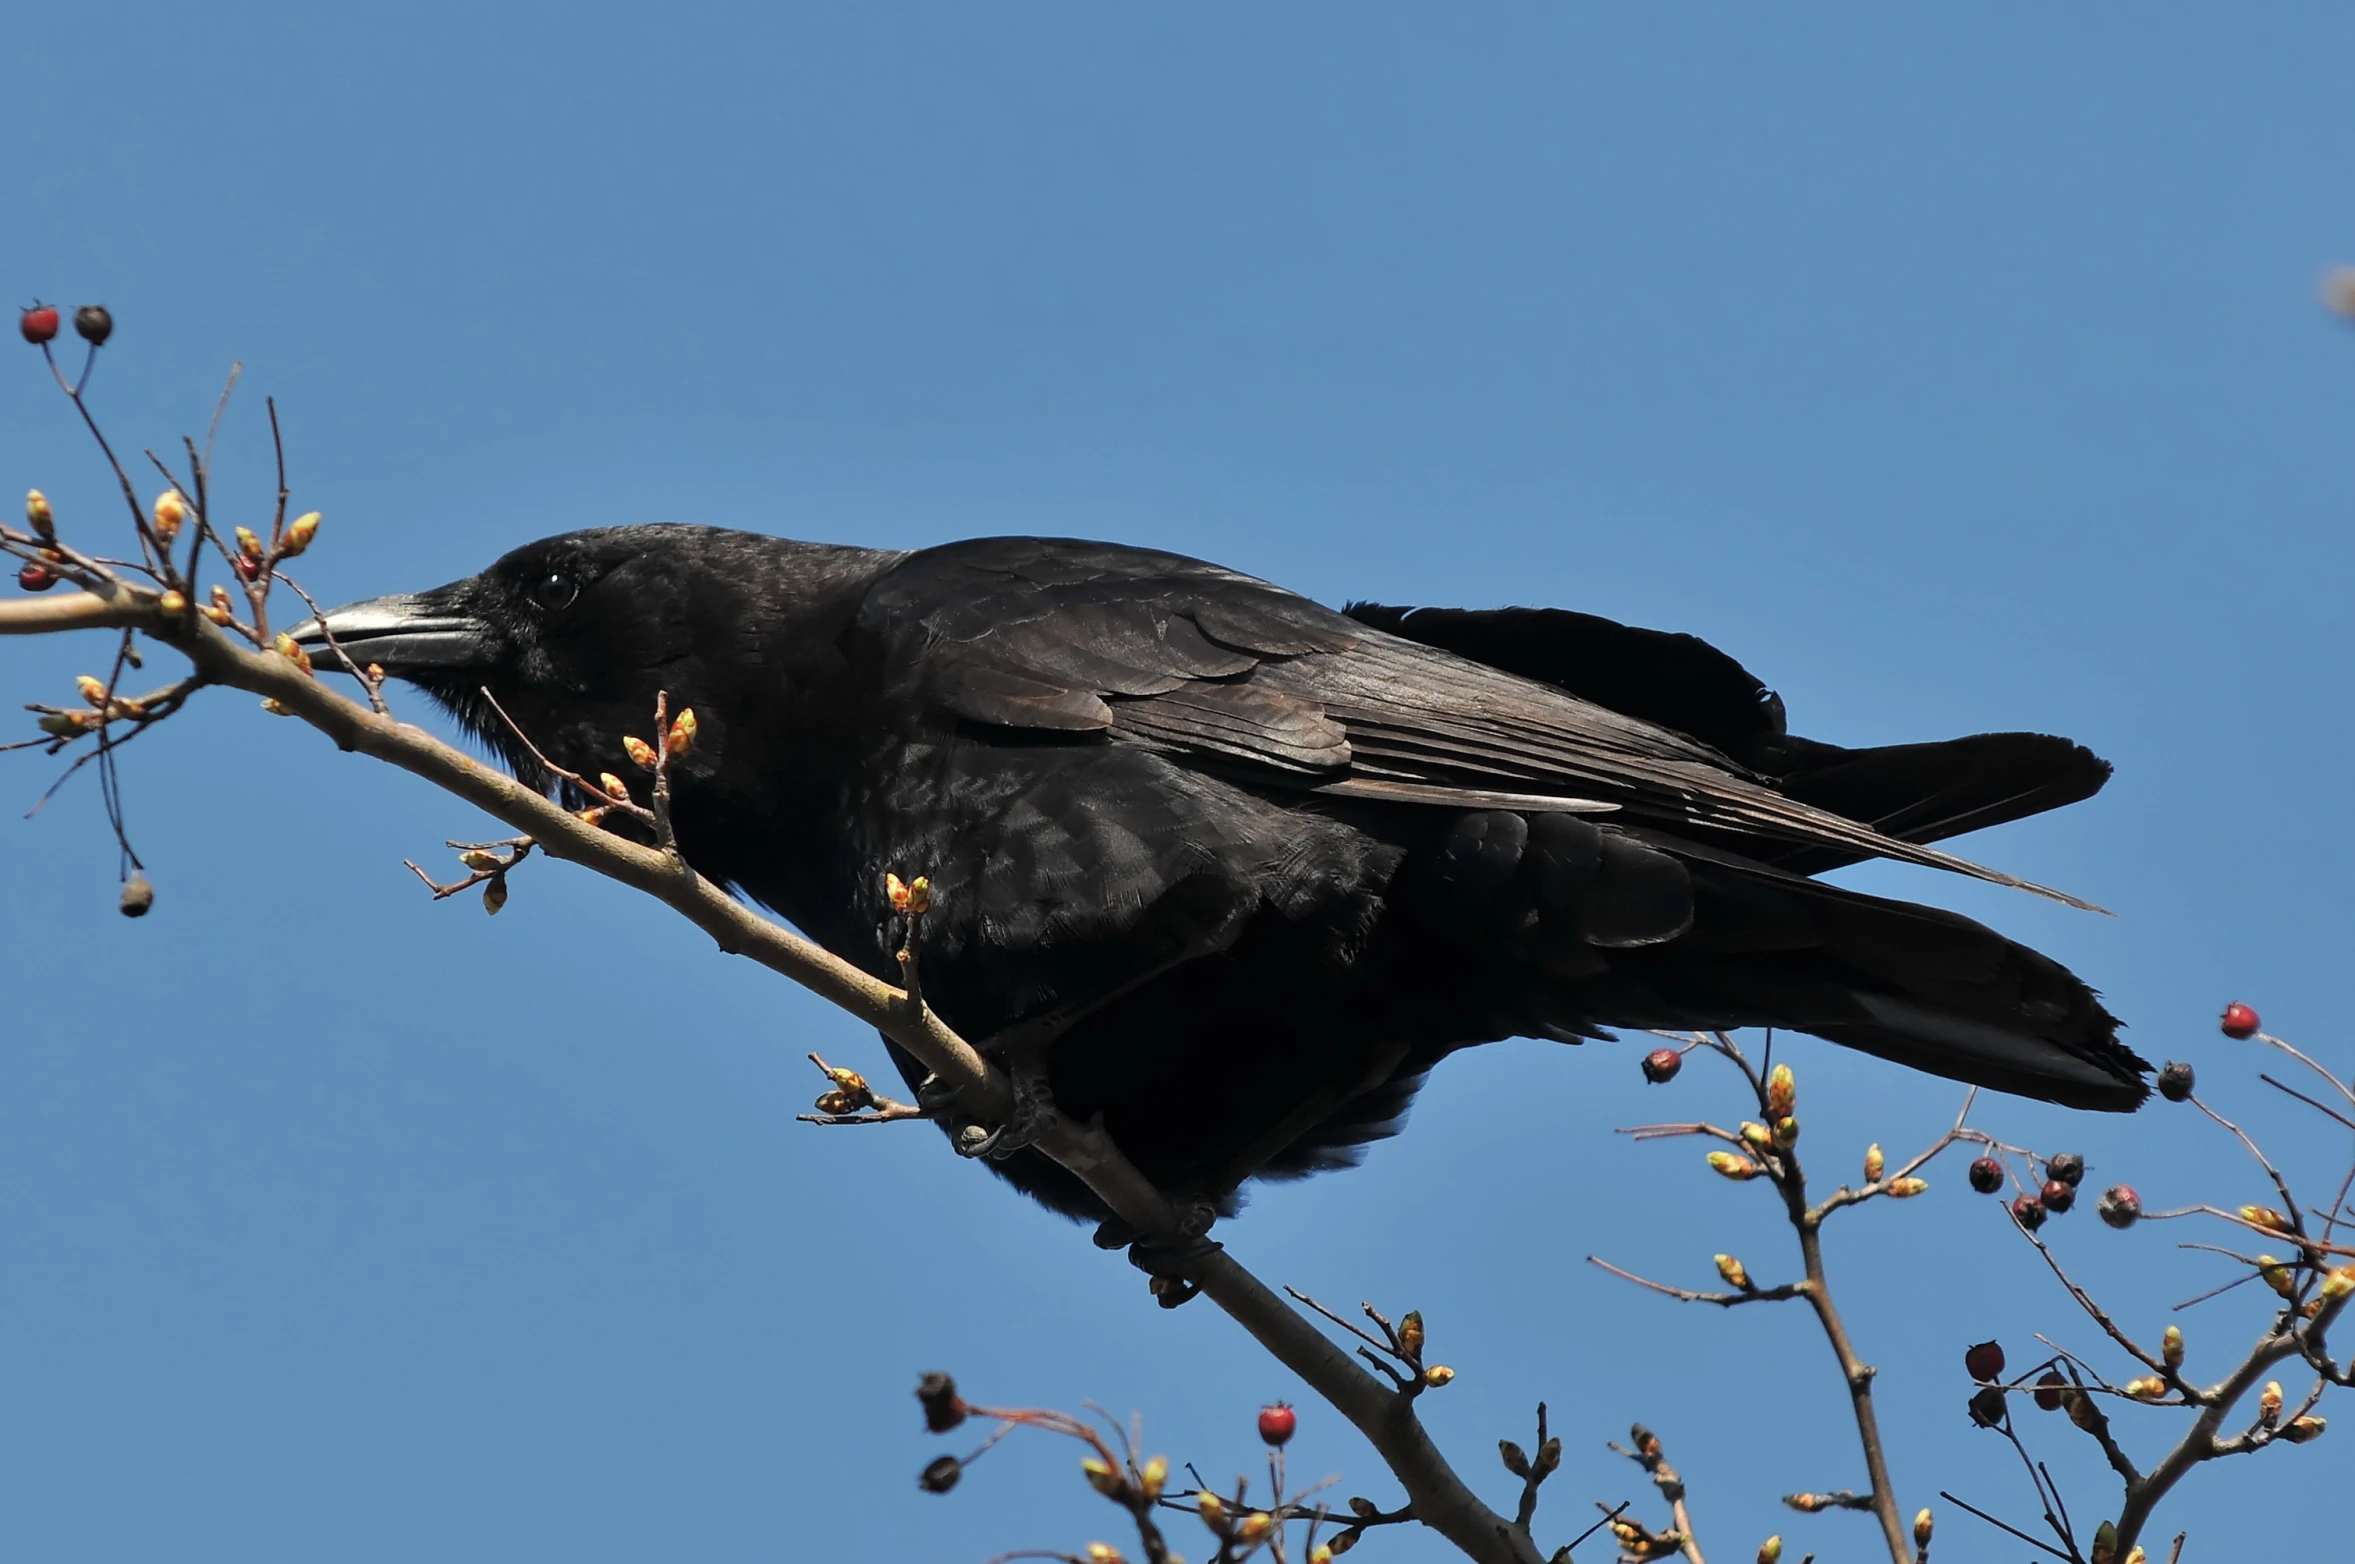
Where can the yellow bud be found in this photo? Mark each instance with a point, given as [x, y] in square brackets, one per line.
[1782, 1092]
[2278, 1276]
[1437, 1375]
[640, 752]
[169, 513]
[1906, 1188]
[61, 724]
[2269, 1403]
[2339, 1284]
[1211, 1508]
[1756, 1136]
[494, 894]
[93, 690]
[895, 891]
[1156, 1472]
[1771, 1550]
[173, 604]
[2267, 1217]
[476, 858]
[2171, 1347]
[2146, 1388]
[2304, 1428]
[38, 513]
[1410, 1333]
[1921, 1529]
[853, 1082]
[1874, 1162]
[1254, 1526]
[1100, 1477]
[299, 533]
[615, 787]
[1104, 1553]
[1807, 1503]
[681, 738]
[1732, 1166]
[275, 707]
[249, 545]
[1786, 1133]
[2135, 1555]
[1736, 1275]
[1322, 1553]
[595, 815]
[920, 894]
[291, 652]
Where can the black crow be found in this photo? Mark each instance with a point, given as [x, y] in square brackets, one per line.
[1234, 870]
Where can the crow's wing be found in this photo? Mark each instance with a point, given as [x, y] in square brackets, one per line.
[1230, 672]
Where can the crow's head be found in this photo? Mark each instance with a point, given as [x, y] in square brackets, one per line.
[574, 636]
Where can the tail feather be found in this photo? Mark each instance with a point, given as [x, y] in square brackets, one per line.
[1928, 792]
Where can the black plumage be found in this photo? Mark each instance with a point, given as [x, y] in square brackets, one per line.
[1235, 869]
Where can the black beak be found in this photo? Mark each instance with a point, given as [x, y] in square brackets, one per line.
[405, 633]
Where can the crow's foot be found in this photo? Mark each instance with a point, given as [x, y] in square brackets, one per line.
[1031, 1116]
[1166, 1260]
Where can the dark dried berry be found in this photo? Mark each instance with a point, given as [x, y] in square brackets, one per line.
[36, 578]
[2066, 1167]
[2238, 1020]
[1661, 1065]
[2057, 1196]
[2120, 1206]
[1987, 1175]
[2049, 1385]
[2175, 1081]
[1987, 1407]
[93, 324]
[38, 324]
[138, 896]
[944, 1409]
[1985, 1361]
[2028, 1211]
[941, 1474]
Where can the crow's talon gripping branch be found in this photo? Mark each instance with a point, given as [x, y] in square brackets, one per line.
[1032, 1115]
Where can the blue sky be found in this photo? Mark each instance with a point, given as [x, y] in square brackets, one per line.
[1954, 374]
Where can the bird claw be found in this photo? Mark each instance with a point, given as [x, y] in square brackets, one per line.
[1032, 1115]
[1166, 1260]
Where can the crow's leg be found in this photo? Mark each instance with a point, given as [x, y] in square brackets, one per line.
[1166, 1260]
[1022, 1051]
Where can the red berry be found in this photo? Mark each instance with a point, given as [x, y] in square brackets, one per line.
[2239, 1020]
[1985, 1361]
[1987, 1175]
[2048, 1390]
[2057, 1196]
[2028, 1211]
[1661, 1065]
[2120, 1206]
[36, 578]
[1277, 1422]
[38, 324]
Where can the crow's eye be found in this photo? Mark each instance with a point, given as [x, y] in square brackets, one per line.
[556, 589]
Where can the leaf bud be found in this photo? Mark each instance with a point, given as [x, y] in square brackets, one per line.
[2338, 1284]
[2277, 1275]
[1771, 1551]
[1253, 1527]
[1922, 1523]
[1438, 1374]
[1808, 1503]
[2268, 1218]
[2171, 1347]
[1515, 1458]
[1211, 1508]
[1549, 1457]
[286, 648]
[1734, 1167]
[941, 1474]
[61, 724]
[172, 603]
[2269, 1403]
[1104, 1553]
[92, 690]
[2301, 1429]
[680, 741]
[1410, 1333]
[1906, 1188]
[1154, 1477]
[1736, 1275]
[615, 788]
[169, 512]
[1757, 1136]
[2105, 1543]
[920, 895]
[640, 752]
[2147, 1388]
[299, 533]
[1339, 1545]
[895, 891]
[275, 707]
[1874, 1162]
[1786, 1133]
[1782, 1092]
[1102, 1478]
[1322, 1553]
[835, 1104]
[248, 545]
[37, 512]
[494, 894]
[476, 858]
